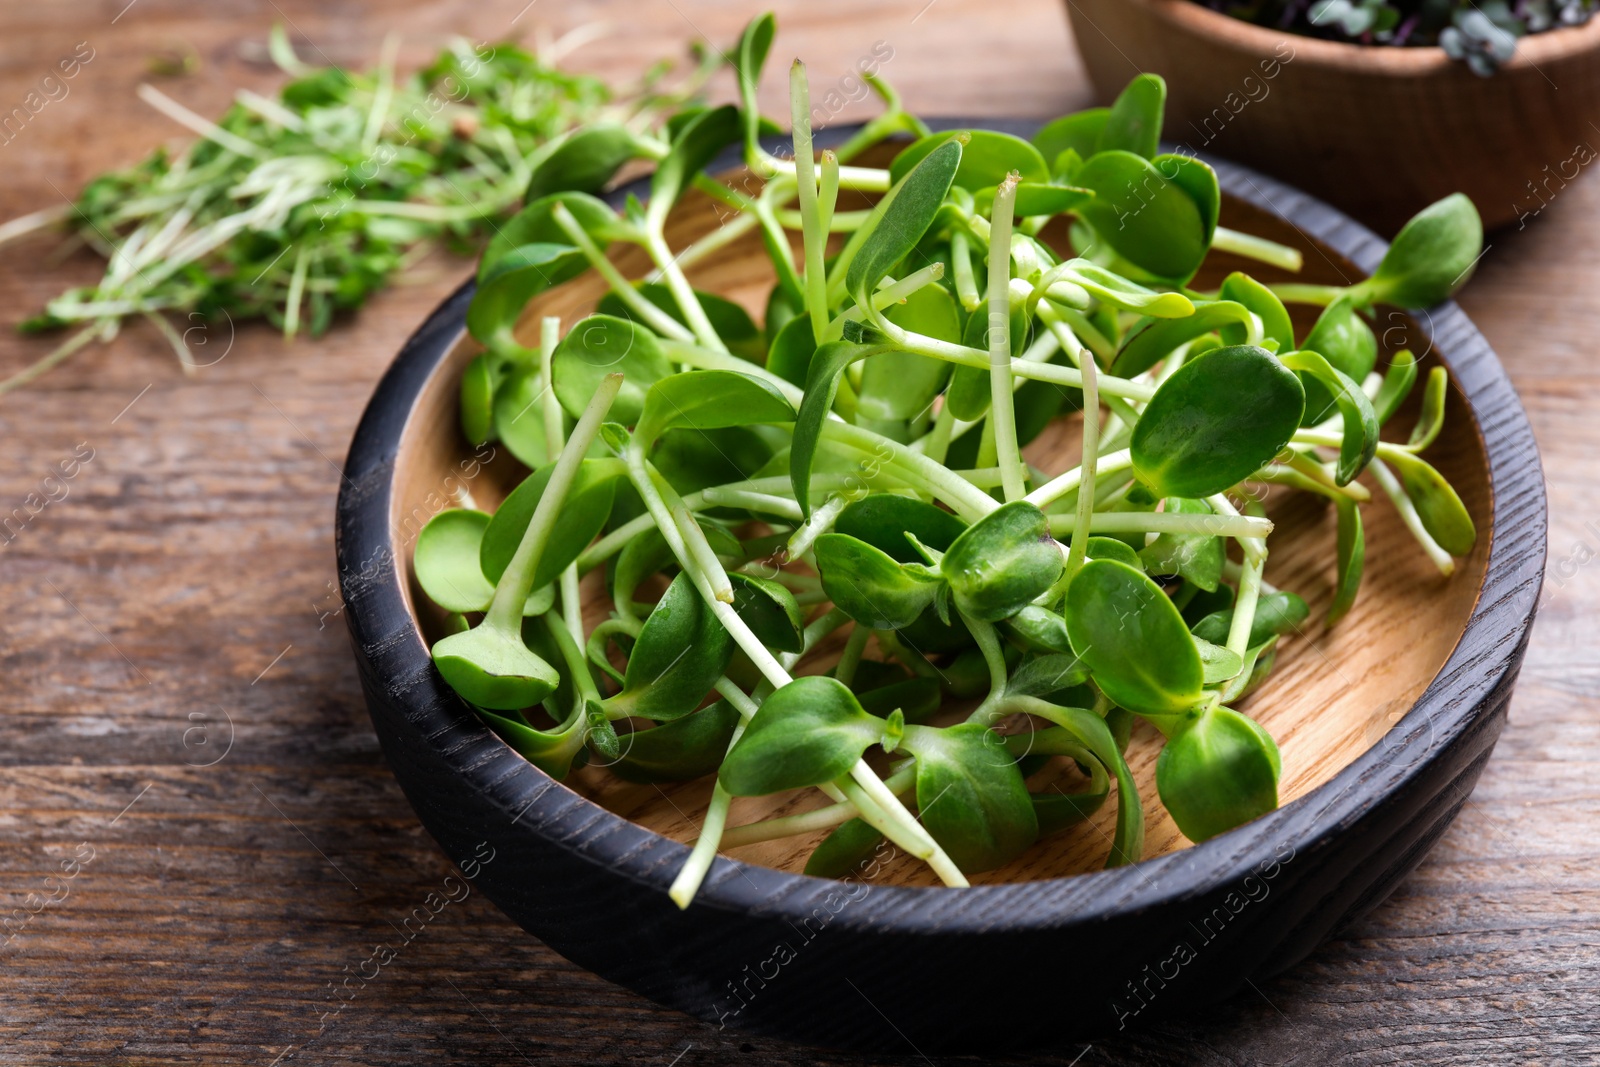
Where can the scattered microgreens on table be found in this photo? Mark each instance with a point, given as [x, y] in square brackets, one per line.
[853, 471]
[295, 207]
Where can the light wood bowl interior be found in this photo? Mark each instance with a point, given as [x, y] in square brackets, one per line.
[1334, 692]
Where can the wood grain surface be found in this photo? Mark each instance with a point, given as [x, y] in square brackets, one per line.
[183, 734]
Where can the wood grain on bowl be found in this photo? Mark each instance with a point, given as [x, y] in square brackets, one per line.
[1380, 132]
[1385, 723]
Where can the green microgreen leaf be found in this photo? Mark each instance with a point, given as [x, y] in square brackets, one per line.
[1078, 133]
[1195, 557]
[749, 58]
[1002, 562]
[583, 516]
[1217, 663]
[535, 225]
[1111, 288]
[808, 732]
[903, 385]
[1397, 383]
[478, 383]
[1431, 419]
[1042, 676]
[1352, 555]
[1154, 224]
[822, 385]
[845, 851]
[885, 522]
[694, 146]
[1133, 639]
[584, 161]
[1038, 628]
[987, 156]
[1264, 304]
[1276, 614]
[1432, 256]
[916, 699]
[971, 796]
[679, 655]
[1343, 338]
[1440, 509]
[447, 566]
[1095, 734]
[1215, 421]
[869, 585]
[1036, 199]
[902, 217]
[519, 417]
[1359, 442]
[969, 394]
[732, 322]
[1218, 770]
[710, 400]
[1154, 339]
[770, 610]
[601, 345]
[678, 751]
[1133, 123]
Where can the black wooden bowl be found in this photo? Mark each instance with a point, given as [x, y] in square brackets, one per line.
[1051, 948]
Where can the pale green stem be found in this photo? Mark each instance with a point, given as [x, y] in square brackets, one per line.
[887, 297]
[704, 853]
[1244, 608]
[994, 657]
[1318, 472]
[1408, 514]
[1317, 295]
[938, 440]
[704, 556]
[554, 439]
[815, 235]
[1162, 522]
[1254, 550]
[950, 352]
[866, 179]
[810, 821]
[766, 503]
[819, 523]
[1257, 248]
[1086, 476]
[850, 658]
[511, 593]
[828, 197]
[648, 313]
[959, 494]
[1068, 481]
[682, 292]
[961, 262]
[1001, 413]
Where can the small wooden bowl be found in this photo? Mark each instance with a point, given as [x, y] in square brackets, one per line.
[1384, 724]
[1381, 132]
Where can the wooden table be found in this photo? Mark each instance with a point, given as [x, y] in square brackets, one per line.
[181, 594]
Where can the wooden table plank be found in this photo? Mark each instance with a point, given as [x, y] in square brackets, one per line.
[183, 584]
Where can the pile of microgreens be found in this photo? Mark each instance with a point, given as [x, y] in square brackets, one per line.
[855, 468]
[293, 208]
[1481, 33]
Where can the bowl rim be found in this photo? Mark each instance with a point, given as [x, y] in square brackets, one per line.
[1454, 703]
[1217, 28]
